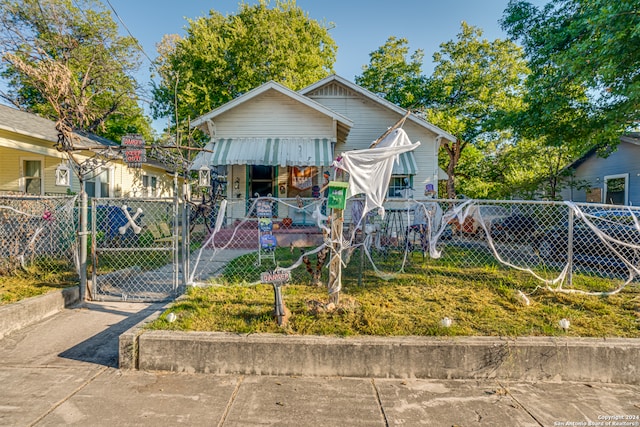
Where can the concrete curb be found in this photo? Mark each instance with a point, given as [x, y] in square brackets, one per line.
[129, 340]
[521, 359]
[32, 310]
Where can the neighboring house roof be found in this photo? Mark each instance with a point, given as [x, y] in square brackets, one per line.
[375, 98]
[28, 124]
[344, 123]
[631, 138]
[34, 126]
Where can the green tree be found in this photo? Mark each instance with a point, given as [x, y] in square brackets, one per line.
[64, 60]
[394, 75]
[222, 57]
[474, 85]
[529, 169]
[584, 59]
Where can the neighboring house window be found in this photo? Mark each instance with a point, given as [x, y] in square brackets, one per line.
[616, 189]
[400, 186]
[150, 185]
[99, 185]
[32, 176]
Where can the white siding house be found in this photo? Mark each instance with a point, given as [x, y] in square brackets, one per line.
[372, 116]
[273, 140]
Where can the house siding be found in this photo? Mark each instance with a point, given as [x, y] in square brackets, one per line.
[625, 160]
[270, 114]
[371, 120]
[126, 182]
[273, 114]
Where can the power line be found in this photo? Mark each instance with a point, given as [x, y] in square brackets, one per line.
[131, 35]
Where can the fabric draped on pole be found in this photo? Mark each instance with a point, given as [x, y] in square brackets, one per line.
[370, 170]
[273, 151]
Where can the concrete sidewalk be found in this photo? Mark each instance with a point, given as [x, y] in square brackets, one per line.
[62, 371]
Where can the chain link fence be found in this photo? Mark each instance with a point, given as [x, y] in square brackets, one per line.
[37, 231]
[135, 249]
[555, 245]
[146, 249]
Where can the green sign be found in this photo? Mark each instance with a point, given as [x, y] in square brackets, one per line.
[337, 198]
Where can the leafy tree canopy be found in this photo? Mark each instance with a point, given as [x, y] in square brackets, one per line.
[64, 60]
[585, 59]
[395, 76]
[475, 84]
[222, 57]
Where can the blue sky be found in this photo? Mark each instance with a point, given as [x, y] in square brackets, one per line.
[359, 26]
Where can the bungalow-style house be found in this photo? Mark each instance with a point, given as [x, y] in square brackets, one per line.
[29, 163]
[612, 180]
[273, 140]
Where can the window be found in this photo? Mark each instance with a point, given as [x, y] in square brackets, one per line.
[99, 185]
[32, 176]
[150, 185]
[400, 186]
[616, 189]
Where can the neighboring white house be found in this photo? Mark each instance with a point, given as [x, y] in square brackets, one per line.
[611, 180]
[29, 163]
[273, 140]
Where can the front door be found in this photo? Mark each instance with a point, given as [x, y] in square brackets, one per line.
[261, 180]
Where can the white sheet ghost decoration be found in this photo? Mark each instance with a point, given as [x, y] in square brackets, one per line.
[370, 169]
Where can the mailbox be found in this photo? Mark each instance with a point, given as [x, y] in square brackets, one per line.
[337, 198]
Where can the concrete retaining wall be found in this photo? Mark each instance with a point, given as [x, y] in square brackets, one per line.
[32, 310]
[528, 359]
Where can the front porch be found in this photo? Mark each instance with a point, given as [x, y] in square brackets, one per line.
[247, 236]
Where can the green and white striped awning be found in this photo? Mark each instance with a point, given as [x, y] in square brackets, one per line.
[406, 164]
[272, 152]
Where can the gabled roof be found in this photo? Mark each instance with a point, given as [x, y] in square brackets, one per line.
[28, 124]
[271, 85]
[631, 138]
[34, 126]
[375, 98]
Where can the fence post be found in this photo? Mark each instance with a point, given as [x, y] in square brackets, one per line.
[83, 242]
[570, 249]
[186, 235]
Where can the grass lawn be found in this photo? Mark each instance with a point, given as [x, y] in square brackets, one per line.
[482, 299]
[33, 282]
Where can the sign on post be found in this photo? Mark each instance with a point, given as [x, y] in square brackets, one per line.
[134, 154]
[276, 279]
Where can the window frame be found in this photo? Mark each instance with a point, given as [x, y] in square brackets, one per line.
[398, 188]
[97, 182]
[22, 184]
[152, 189]
[606, 187]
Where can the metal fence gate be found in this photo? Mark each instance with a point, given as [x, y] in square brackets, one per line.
[135, 249]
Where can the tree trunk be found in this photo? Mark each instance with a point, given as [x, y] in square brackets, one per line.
[454, 149]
